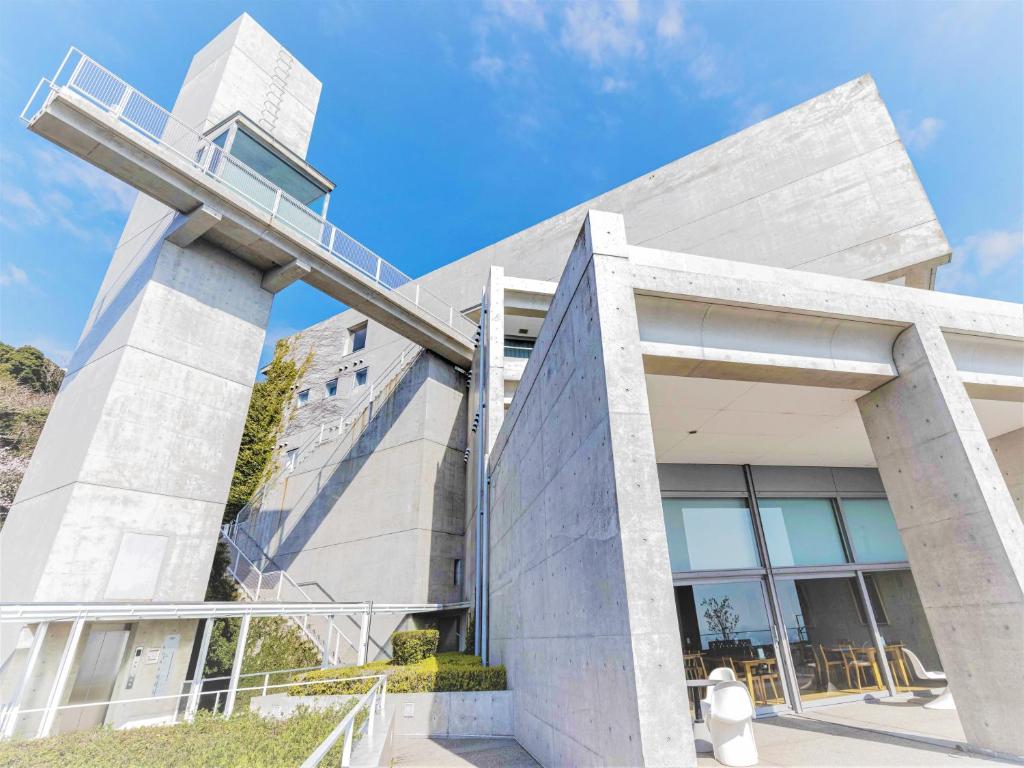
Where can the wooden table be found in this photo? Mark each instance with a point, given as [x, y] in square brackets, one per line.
[748, 666]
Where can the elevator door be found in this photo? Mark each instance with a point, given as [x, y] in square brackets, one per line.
[97, 673]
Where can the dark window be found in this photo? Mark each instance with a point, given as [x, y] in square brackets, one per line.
[457, 573]
[361, 376]
[520, 348]
[358, 337]
[303, 397]
[332, 387]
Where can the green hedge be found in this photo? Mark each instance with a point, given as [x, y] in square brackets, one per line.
[414, 645]
[444, 673]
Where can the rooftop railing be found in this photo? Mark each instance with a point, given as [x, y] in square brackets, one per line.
[81, 75]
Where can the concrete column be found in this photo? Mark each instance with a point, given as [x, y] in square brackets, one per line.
[1009, 452]
[126, 489]
[962, 533]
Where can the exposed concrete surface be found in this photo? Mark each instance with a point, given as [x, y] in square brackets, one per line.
[962, 532]
[1008, 451]
[451, 715]
[597, 672]
[481, 753]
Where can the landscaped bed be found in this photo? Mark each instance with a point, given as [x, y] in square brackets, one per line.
[415, 668]
[244, 740]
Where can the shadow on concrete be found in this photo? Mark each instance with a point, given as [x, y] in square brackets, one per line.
[480, 753]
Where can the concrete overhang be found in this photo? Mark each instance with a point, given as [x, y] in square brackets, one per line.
[244, 229]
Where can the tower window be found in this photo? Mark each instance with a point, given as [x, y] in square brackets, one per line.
[358, 335]
[332, 387]
[361, 375]
[457, 573]
[303, 397]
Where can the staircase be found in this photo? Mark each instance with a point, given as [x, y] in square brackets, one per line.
[270, 582]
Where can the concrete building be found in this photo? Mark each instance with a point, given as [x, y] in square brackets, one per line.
[717, 416]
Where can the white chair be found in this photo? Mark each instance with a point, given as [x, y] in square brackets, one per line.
[732, 730]
[945, 699]
[719, 674]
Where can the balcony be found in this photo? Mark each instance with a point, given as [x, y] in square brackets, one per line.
[95, 115]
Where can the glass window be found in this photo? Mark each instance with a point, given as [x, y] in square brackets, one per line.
[290, 457]
[358, 337]
[303, 397]
[906, 627]
[274, 169]
[873, 532]
[332, 387]
[361, 376]
[709, 534]
[457, 573]
[801, 532]
[831, 645]
[518, 348]
[726, 625]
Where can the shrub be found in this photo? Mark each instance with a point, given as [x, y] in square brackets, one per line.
[414, 645]
[447, 672]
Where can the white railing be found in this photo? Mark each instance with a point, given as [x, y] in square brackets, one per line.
[373, 701]
[277, 586]
[189, 701]
[83, 76]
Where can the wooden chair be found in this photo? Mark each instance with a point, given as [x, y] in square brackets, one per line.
[859, 666]
[827, 664]
[897, 664]
[694, 665]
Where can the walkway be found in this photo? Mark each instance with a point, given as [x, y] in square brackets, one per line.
[891, 732]
[482, 753]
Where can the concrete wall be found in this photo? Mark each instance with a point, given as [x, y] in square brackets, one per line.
[962, 532]
[391, 503]
[582, 610]
[1008, 451]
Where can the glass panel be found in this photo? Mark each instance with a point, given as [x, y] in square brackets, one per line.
[801, 532]
[873, 532]
[829, 638]
[273, 168]
[358, 338]
[726, 625]
[518, 348]
[709, 534]
[907, 628]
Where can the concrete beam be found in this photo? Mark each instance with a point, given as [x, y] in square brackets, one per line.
[963, 535]
[189, 227]
[277, 279]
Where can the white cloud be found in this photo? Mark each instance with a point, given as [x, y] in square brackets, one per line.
[987, 263]
[921, 135]
[992, 249]
[12, 274]
[529, 13]
[488, 67]
[66, 172]
[615, 84]
[602, 31]
[20, 207]
[670, 23]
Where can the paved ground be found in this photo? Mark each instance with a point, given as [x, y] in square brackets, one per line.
[890, 732]
[482, 753]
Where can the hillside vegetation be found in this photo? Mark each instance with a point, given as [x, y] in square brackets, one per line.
[28, 384]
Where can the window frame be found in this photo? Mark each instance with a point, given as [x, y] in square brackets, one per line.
[302, 397]
[365, 373]
[362, 327]
[327, 388]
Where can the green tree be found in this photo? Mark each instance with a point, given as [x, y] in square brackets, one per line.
[30, 368]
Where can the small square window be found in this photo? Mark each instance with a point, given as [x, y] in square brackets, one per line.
[289, 459]
[303, 397]
[332, 387]
[358, 335]
[361, 376]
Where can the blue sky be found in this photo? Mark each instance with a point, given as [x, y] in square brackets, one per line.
[448, 126]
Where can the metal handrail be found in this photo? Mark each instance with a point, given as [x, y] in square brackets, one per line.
[396, 367]
[373, 701]
[82, 75]
[333, 630]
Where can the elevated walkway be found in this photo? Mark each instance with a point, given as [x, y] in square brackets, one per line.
[100, 118]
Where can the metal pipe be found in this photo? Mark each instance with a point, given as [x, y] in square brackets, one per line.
[60, 681]
[10, 715]
[236, 665]
[204, 648]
